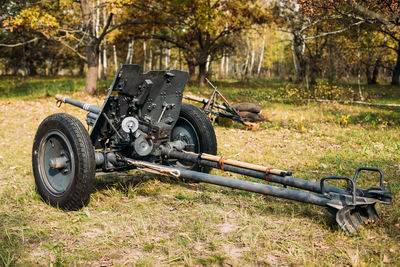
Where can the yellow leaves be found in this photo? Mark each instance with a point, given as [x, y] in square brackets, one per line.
[116, 6]
[113, 36]
[300, 125]
[322, 90]
[48, 20]
[65, 4]
[32, 17]
[69, 36]
[344, 120]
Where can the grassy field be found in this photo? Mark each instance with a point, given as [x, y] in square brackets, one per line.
[146, 220]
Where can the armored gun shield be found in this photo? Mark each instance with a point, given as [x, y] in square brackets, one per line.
[146, 102]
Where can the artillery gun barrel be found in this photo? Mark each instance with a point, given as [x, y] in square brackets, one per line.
[91, 108]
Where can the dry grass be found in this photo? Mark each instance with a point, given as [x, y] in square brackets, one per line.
[146, 220]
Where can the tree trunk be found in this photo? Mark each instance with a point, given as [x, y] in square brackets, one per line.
[396, 71]
[295, 61]
[191, 65]
[253, 55]
[91, 47]
[375, 72]
[144, 55]
[92, 58]
[192, 69]
[227, 66]
[222, 65]
[105, 47]
[208, 63]
[180, 59]
[115, 58]
[130, 52]
[58, 67]
[368, 75]
[299, 62]
[261, 57]
[313, 76]
[161, 57]
[167, 58]
[203, 61]
[99, 67]
[150, 58]
[246, 64]
[202, 74]
[105, 61]
[32, 68]
[81, 68]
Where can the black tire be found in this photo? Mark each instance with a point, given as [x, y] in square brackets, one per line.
[196, 129]
[69, 183]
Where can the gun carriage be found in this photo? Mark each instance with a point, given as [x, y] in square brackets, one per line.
[143, 124]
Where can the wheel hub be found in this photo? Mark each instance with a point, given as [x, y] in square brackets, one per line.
[185, 132]
[56, 162]
[59, 163]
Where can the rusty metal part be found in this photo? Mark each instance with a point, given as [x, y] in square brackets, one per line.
[221, 162]
[244, 164]
[267, 172]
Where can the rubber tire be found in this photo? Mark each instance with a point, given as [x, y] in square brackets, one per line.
[204, 130]
[78, 193]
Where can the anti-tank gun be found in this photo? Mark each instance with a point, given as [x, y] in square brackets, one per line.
[144, 124]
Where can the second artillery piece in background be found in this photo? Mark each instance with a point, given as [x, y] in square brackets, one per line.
[242, 112]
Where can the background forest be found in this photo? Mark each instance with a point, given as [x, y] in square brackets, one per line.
[324, 72]
[299, 41]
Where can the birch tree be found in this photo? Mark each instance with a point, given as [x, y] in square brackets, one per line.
[201, 28]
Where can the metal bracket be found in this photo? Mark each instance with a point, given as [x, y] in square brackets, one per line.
[349, 181]
[371, 170]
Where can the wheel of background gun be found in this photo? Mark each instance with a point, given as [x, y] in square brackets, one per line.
[194, 128]
[63, 162]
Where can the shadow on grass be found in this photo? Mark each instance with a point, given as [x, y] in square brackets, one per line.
[252, 202]
[261, 205]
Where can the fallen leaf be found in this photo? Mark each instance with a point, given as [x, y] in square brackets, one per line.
[385, 259]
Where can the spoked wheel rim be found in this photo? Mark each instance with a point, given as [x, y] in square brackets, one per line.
[186, 132]
[56, 162]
